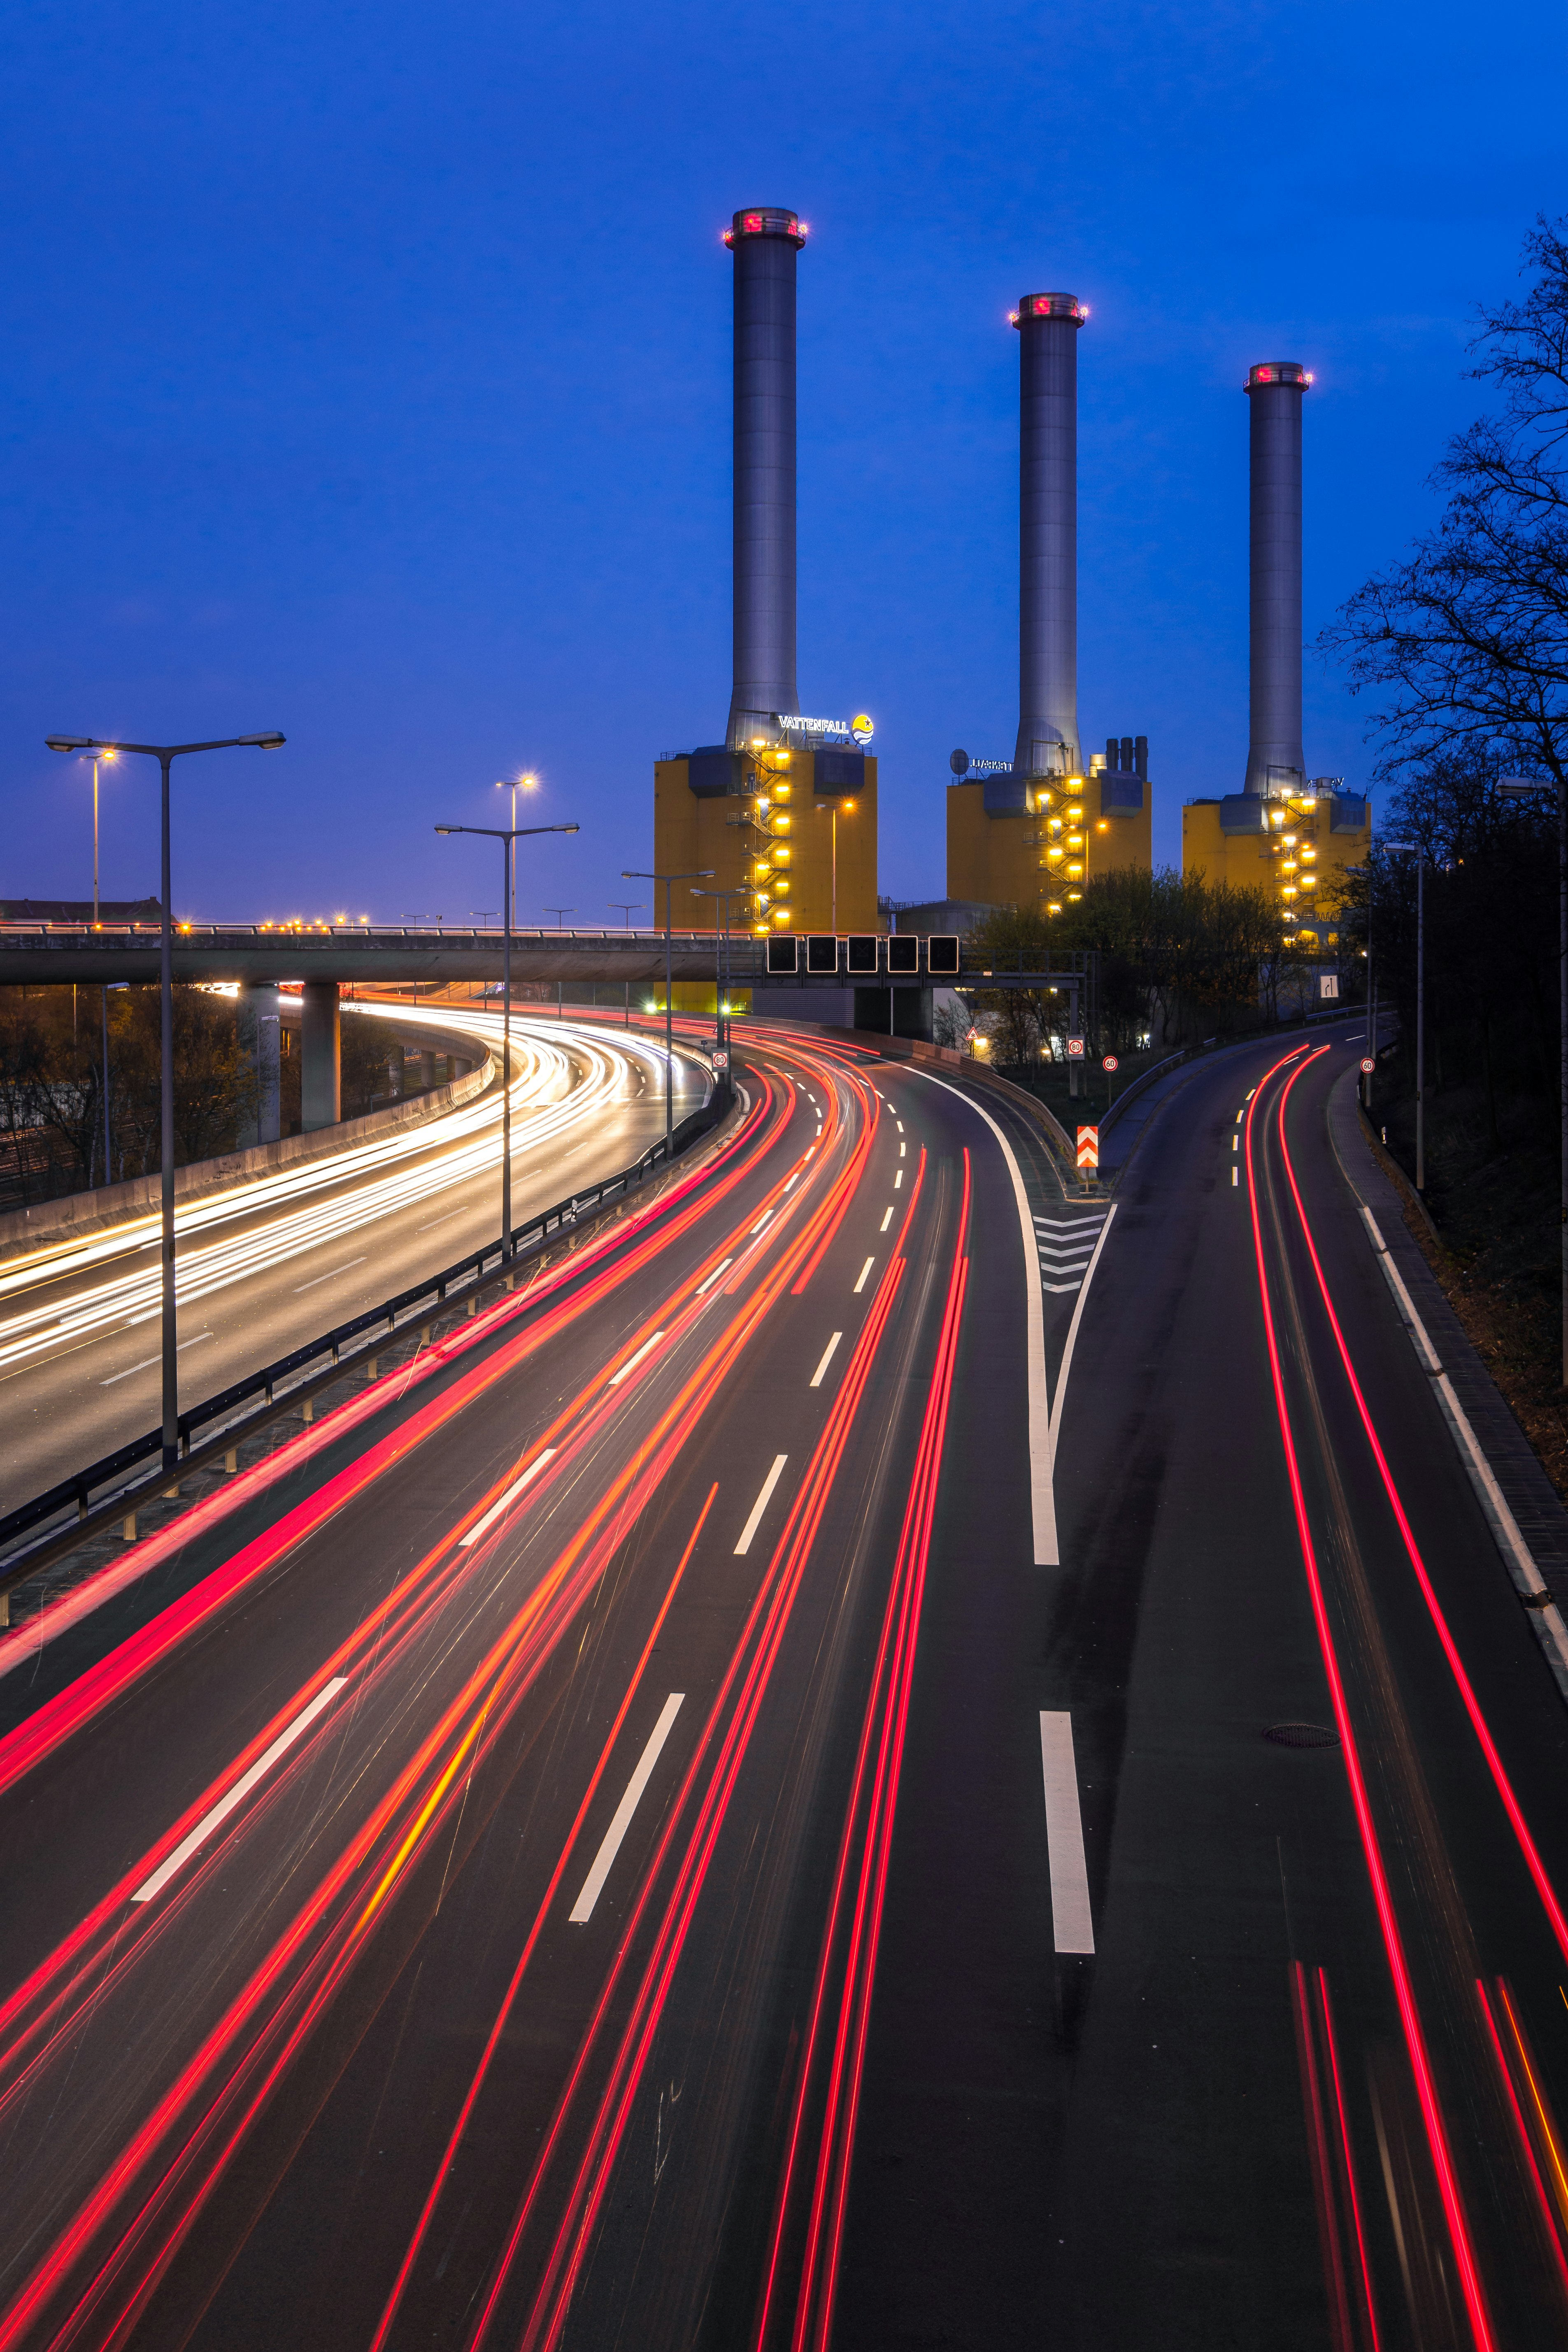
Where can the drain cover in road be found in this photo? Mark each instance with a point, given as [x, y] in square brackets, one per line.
[1302, 1735]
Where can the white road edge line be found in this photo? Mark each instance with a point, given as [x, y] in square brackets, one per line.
[1048, 1551]
[759, 1506]
[480, 1525]
[237, 1794]
[1073, 1924]
[1490, 1494]
[592, 1885]
[827, 1359]
[349, 1268]
[147, 1361]
[629, 1367]
[713, 1277]
[865, 1270]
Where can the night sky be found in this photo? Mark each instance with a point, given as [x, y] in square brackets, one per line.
[367, 376]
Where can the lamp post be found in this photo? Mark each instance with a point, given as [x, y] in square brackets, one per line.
[699, 874]
[515, 784]
[509, 837]
[832, 816]
[165, 754]
[108, 1139]
[628, 907]
[1516, 787]
[1414, 849]
[721, 956]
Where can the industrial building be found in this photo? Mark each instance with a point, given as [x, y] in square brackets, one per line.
[1285, 832]
[1029, 834]
[783, 811]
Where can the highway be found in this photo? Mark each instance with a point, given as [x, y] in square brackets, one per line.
[264, 1265]
[728, 1803]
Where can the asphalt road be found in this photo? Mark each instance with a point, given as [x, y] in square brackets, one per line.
[267, 1266]
[730, 1805]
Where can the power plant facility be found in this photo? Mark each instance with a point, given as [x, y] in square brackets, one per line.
[1286, 832]
[1030, 833]
[783, 812]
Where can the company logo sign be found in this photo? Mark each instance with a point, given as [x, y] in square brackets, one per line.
[859, 729]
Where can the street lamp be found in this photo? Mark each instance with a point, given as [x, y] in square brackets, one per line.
[721, 956]
[628, 907]
[699, 874]
[108, 1139]
[166, 753]
[832, 815]
[509, 837]
[1414, 849]
[1515, 788]
[515, 784]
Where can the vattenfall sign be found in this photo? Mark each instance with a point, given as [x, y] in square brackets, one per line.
[859, 728]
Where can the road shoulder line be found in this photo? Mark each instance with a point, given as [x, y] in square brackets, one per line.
[1517, 1463]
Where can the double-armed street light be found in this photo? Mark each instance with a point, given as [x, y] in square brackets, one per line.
[165, 754]
[509, 837]
[699, 874]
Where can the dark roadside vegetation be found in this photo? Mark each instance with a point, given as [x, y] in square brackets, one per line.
[52, 1085]
[1461, 649]
[1177, 961]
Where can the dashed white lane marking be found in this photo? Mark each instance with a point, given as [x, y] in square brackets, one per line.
[481, 1526]
[147, 1361]
[887, 1220]
[865, 1270]
[633, 1361]
[759, 1506]
[827, 1359]
[1236, 1143]
[713, 1276]
[1235, 1176]
[331, 1270]
[902, 1149]
[793, 1180]
[757, 1228]
[1072, 1925]
[583, 1909]
[443, 1220]
[898, 1178]
[237, 1794]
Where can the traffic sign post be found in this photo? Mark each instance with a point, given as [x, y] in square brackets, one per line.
[1367, 1068]
[1110, 1064]
[1075, 1058]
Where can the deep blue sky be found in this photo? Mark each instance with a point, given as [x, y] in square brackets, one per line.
[367, 376]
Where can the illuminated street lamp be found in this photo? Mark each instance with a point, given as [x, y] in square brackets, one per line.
[509, 837]
[699, 874]
[108, 1139]
[1517, 788]
[165, 754]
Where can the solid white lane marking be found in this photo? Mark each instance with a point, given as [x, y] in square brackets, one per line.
[759, 1506]
[1071, 1922]
[865, 1270]
[827, 1359]
[757, 1228]
[237, 1794]
[887, 1220]
[510, 1496]
[583, 1909]
[713, 1276]
[147, 1361]
[633, 1361]
[331, 1270]
[1235, 1176]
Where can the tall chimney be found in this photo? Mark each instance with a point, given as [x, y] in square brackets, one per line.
[1048, 742]
[764, 241]
[1274, 758]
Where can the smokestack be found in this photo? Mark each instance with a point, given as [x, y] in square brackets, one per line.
[764, 242]
[1048, 742]
[1274, 752]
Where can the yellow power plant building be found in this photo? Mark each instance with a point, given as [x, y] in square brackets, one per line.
[1295, 845]
[791, 833]
[1033, 844]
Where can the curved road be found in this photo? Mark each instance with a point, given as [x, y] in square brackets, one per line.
[729, 1804]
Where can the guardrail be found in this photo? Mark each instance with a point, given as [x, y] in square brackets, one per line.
[465, 1277]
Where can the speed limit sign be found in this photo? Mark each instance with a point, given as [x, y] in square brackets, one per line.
[1111, 1063]
[1368, 1065]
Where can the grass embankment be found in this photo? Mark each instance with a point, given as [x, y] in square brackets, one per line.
[1493, 1195]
